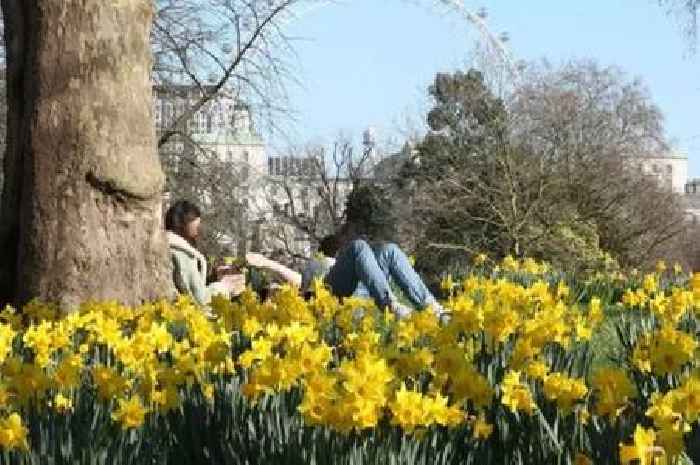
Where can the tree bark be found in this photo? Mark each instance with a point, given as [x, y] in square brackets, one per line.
[14, 31]
[81, 213]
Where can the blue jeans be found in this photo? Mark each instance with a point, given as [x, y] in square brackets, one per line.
[360, 266]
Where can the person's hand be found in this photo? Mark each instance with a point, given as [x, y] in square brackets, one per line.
[257, 260]
[224, 270]
[235, 283]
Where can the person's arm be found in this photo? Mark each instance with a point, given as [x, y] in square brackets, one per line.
[232, 284]
[289, 275]
[307, 274]
[186, 277]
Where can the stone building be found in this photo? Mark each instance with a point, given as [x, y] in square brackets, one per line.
[266, 186]
[670, 169]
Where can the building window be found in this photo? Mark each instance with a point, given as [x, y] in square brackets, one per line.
[305, 200]
[157, 110]
[246, 165]
[180, 107]
[195, 123]
[168, 113]
[256, 240]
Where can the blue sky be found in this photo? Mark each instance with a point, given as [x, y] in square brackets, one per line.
[369, 62]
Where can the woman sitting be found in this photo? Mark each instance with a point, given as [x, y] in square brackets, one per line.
[183, 222]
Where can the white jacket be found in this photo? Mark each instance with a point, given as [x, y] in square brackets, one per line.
[190, 271]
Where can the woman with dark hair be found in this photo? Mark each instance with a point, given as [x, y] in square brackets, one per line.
[182, 222]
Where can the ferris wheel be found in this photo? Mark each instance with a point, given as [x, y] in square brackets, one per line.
[496, 45]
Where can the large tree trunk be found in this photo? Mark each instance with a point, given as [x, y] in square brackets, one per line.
[81, 211]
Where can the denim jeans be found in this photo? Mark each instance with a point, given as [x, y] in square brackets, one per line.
[360, 268]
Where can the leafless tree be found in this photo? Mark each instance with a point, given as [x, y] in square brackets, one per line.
[595, 127]
[686, 11]
[219, 186]
[308, 194]
[215, 48]
[237, 46]
[553, 172]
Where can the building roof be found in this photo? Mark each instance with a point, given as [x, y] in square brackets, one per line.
[172, 88]
[669, 155]
[228, 137]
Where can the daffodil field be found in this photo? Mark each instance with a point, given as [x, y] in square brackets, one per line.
[534, 367]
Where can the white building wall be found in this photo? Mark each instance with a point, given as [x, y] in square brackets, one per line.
[215, 115]
[671, 170]
[218, 128]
